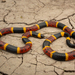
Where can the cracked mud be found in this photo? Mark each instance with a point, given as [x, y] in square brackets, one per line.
[23, 13]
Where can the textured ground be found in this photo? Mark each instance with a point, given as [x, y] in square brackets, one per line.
[20, 13]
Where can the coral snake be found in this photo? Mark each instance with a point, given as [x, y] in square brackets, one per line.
[29, 31]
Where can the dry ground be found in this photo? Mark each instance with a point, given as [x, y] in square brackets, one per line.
[23, 13]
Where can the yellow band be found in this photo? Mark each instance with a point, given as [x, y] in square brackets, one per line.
[66, 55]
[0, 33]
[68, 38]
[45, 47]
[64, 27]
[5, 46]
[54, 36]
[48, 40]
[38, 26]
[24, 29]
[46, 23]
[31, 33]
[39, 35]
[51, 54]
[57, 24]
[72, 33]
[29, 42]
[18, 49]
[12, 30]
[24, 37]
[62, 33]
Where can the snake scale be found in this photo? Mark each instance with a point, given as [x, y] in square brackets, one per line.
[30, 31]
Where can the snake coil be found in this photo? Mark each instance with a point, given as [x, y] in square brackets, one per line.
[29, 31]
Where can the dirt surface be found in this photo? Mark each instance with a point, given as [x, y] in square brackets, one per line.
[23, 13]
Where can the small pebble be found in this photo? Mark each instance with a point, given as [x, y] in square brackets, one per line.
[3, 1]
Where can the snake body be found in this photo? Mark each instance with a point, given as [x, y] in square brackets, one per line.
[56, 55]
[29, 31]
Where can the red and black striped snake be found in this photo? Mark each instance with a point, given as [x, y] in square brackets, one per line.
[29, 31]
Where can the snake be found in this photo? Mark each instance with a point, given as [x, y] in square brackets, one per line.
[30, 31]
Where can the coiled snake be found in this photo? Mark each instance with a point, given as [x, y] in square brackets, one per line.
[29, 31]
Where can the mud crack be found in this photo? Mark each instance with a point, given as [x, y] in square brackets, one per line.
[3, 73]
